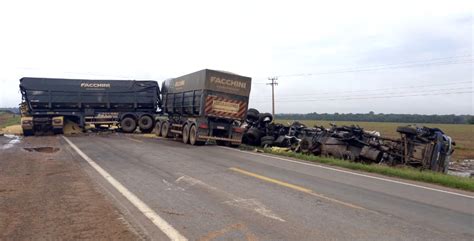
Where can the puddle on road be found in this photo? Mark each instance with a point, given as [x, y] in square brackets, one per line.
[46, 149]
[14, 140]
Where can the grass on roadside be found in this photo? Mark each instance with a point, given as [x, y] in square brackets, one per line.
[400, 172]
[8, 119]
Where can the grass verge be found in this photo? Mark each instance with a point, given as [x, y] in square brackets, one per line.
[9, 120]
[400, 172]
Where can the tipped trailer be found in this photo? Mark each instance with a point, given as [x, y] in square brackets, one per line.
[48, 103]
[205, 105]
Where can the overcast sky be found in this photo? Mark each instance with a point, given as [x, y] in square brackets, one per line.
[329, 56]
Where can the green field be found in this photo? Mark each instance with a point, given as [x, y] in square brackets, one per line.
[463, 135]
[8, 119]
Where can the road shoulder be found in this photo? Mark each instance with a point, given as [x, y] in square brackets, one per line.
[45, 195]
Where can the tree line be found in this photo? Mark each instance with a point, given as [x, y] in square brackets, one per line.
[372, 117]
[13, 110]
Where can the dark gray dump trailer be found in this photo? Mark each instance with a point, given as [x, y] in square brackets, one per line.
[47, 103]
[205, 105]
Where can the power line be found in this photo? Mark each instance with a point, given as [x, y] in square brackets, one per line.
[392, 93]
[461, 59]
[371, 90]
[381, 68]
[378, 97]
[424, 61]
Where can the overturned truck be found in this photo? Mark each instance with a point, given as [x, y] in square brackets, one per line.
[421, 147]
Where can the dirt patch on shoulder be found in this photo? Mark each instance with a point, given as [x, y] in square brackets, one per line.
[45, 195]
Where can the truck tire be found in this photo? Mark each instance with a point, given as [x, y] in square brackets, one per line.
[186, 134]
[165, 129]
[253, 136]
[406, 130]
[193, 134]
[252, 115]
[145, 123]
[158, 128]
[265, 117]
[305, 145]
[267, 141]
[128, 124]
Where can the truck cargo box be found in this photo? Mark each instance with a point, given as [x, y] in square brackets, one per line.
[47, 94]
[207, 93]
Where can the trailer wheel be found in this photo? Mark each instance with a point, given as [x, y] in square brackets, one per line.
[128, 125]
[145, 123]
[253, 136]
[265, 117]
[252, 115]
[158, 128]
[193, 137]
[165, 129]
[186, 134]
[305, 145]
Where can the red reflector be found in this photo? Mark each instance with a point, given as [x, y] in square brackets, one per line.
[203, 126]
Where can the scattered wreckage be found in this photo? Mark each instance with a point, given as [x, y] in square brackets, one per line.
[420, 147]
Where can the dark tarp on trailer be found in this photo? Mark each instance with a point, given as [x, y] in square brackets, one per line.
[72, 94]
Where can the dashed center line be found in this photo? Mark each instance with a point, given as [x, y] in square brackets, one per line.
[295, 187]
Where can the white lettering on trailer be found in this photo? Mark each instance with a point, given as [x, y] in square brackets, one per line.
[95, 85]
[229, 82]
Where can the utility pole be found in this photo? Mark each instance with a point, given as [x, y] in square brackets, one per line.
[273, 83]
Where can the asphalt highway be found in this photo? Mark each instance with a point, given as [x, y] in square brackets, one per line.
[169, 190]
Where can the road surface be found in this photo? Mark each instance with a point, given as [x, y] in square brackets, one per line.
[174, 191]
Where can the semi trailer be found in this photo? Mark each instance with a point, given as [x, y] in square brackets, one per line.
[205, 105]
[201, 106]
[48, 103]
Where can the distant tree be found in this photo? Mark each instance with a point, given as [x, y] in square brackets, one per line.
[371, 116]
[470, 120]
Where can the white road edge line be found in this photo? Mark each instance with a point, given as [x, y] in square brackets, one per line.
[164, 226]
[353, 173]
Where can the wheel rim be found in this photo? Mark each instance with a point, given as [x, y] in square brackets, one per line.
[145, 123]
[128, 125]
